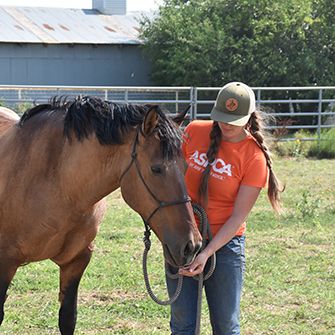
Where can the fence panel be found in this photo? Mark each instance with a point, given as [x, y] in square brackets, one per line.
[293, 108]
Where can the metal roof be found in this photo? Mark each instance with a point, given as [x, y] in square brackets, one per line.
[65, 25]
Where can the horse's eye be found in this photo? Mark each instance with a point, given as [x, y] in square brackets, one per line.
[157, 169]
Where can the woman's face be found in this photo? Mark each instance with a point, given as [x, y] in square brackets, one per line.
[232, 133]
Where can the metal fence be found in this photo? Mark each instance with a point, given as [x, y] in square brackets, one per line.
[293, 108]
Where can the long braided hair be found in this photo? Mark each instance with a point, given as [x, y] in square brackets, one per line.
[215, 139]
[255, 127]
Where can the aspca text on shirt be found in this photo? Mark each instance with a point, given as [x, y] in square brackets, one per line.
[220, 169]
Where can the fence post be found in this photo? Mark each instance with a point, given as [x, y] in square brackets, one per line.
[194, 97]
[319, 117]
[177, 104]
[126, 96]
[258, 98]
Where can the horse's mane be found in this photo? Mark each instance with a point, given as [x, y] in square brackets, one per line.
[109, 121]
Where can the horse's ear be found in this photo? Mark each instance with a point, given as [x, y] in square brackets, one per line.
[150, 121]
[180, 117]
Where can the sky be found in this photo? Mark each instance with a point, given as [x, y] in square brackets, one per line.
[132, 5]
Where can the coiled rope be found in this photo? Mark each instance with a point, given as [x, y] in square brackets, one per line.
[147, 246]
[207, 236]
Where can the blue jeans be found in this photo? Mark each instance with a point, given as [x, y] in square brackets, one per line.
[223, 293]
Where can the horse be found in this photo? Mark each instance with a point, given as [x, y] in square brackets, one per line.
[7, 118]
[58, 163]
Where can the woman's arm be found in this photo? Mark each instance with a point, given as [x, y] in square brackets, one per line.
[246, 198]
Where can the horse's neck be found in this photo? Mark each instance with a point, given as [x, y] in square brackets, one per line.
[90, 171]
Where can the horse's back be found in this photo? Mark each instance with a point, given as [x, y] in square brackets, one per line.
[8, 118]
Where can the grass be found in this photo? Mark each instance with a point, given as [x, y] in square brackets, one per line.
[289, 284]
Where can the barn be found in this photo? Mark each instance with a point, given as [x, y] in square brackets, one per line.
[74, 47]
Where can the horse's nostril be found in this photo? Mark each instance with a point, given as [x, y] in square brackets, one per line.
[189, 249]
[197, 247]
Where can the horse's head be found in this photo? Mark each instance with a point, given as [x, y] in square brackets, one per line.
[153, 185]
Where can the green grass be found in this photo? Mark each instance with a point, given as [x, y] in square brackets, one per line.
[289, 284]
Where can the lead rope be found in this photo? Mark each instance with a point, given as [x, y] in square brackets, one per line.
[206, 234]
[147, 246]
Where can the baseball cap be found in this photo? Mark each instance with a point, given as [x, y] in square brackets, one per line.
[234, 104]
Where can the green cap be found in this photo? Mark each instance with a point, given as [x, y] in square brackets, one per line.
[234, 104]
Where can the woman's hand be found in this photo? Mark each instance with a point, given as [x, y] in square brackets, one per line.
[196, 267]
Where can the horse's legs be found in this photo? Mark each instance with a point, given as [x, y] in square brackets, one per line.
[7, 273]
[70, 275]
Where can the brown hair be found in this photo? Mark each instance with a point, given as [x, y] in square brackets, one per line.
[215, 139]
[255, 126]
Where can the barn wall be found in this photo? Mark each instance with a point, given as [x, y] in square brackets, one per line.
[88, 65]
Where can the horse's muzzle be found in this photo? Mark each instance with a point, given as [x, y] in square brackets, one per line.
[182, 257]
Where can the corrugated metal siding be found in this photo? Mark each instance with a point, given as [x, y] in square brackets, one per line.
[13, 30]
[118, 7]
[66, 26]
[60, 64]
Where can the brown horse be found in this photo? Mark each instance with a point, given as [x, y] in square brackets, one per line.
[59, 162]
[7, 119]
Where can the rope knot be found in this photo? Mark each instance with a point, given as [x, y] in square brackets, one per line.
[146, 239]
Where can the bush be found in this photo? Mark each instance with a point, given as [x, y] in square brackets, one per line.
[325, 148]
[295, 148]
[23, 107]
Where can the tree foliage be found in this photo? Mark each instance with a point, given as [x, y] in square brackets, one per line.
[260, 42]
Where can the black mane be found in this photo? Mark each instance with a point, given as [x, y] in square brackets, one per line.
[109, 121]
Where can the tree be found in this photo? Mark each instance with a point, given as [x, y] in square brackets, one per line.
[260, 42]
[321, 41]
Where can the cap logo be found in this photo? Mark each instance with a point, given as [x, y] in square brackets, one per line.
[232, 104]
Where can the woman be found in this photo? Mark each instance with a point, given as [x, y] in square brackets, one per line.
[228, 165]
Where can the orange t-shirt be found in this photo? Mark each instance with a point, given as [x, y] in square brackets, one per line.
[241, 163]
